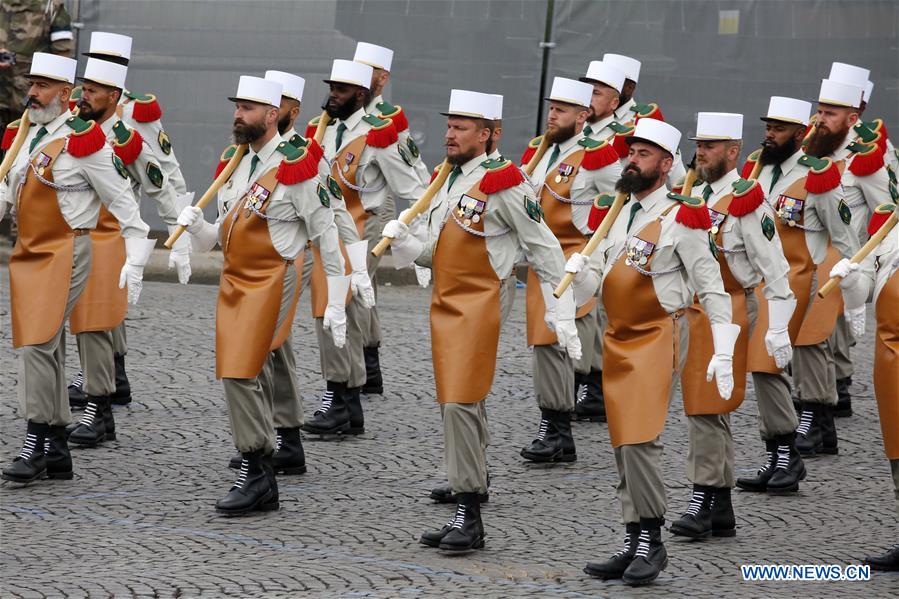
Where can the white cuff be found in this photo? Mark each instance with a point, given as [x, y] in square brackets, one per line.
[357, 252]
[565, 308]
[337, 290]
[779, 313]
[405, 251]
[138, 250]
[724, 337]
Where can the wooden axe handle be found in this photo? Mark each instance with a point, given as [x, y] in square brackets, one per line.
[16, 145]
[532, 163]
[866, 249]
[323, 121]
[689, 180]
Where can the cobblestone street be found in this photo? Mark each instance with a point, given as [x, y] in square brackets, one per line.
[138, 518]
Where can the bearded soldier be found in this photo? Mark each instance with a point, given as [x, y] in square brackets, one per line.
[657, 254]
[271, 206]
[477, 221]
[57, 186]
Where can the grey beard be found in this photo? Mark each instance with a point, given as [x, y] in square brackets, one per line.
[713, 172]
[42, 116]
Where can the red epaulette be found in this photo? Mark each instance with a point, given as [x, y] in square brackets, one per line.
[692, 213]
[498, 178]
[224, 159]
[382, 135]
[311, 126]
[620, 144]
[394, 114]
[128, 144]
[748, 196]
[599, 210]
[298, 165]
[823, 175]
[9, 134]
[434, 174]
[314, 150]
[867, 161]
[531, 150]
[749, 166]
[879, 217]
[85, 139]
[598, 156]
[146, 109]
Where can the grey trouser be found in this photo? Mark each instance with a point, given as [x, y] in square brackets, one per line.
[250, 401]
[814, 373]
[345, 364]
[841, 340]
[119, 340]
[41, 385]
[370, 322]
[601, 321]
[465, 431]
[588, 333]
[287, 403]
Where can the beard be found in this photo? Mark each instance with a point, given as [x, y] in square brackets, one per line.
[560, 134]
[823, 143]
[460, 159]
[44, 114]
[633, 180]
[593, 117]
[247, 133]
[86, 113]
[776, 154]
[341, 111]
[284, 124]
[712, 172]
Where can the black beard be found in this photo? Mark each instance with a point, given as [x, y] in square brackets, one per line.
[560, 135]
[773, 154]
[713, 172]
[822, 144]
[284, 124]
[85, 113]
[245, 133]
[460, 159]
[633, 181]
[343, 111]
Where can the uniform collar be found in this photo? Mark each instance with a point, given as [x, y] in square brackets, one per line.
[654, 199]
[372, 107]
[566, 146]
[288, 135]
[725, 182]
[624, 110]
[843, 151]
[494, 155]
[108, 124]
[267, 150]
[787, 165]
[472, 164]
[55, 124]
[602, 123]
[354, 119]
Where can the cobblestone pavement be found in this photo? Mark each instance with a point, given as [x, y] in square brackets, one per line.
[138, 518]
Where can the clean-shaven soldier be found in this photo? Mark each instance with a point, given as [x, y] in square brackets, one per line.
[478, 220]
[61, 176]
[570, 174]
[749, 253]
[366, 166]
[880, 273]
[656, 256]
[271, 206]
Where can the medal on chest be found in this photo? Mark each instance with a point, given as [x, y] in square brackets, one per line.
[470, 210]
[789, 210]
[256, 197]
[638, 251]
[717, 219]
[564, 172]
[43, 162]
[347, 160]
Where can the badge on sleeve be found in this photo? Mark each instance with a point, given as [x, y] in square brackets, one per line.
[334, 188]
[119, 166]
[413, 149]
[404, 155]
[845, 213]
[165, 144]
[533, 209]
[154, 174]
[323, 196]
[768, 227]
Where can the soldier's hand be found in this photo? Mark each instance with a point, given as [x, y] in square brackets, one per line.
[396, 230]
[566, 330]
[335, 313]
[138, 252]
[856, 319]
[191, 218]
[779, 347]
[422, 275]
[721, 366]
[361, 282]
[577, 265]
[179, 258]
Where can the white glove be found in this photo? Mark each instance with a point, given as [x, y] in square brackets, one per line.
[721, 365]
[361, 282]
[418, 227]
[191, 218]
[856, 319]
[179, 257]
[137, 250]
[423, 275]
[396, 230]
[566, 331]
[854, 295]
[405, 247]
[549, 303]
[335, 312]
[577, 265]
[777, 339]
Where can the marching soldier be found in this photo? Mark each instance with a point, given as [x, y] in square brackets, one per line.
[856, 281]
[476, 223]
[65, 174]
[574, 170]
[811, 216]
[749, 252]
[367, 165]
[656, 255]
[271, 206]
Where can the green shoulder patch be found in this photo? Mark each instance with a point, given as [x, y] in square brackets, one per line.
[290, 151]
[644, 109]
[690, 201]
[297, 141]
[491, 164]
[139, 97]
[323, 196]
[121, 131]
[535, 143]
[154, 174]
[387, 109]
[860, 148]
[604, 200]
[413, 149]
[334, 188]
[768, 227]
[894, 192]
[741, 185]
[228, 153]
[816, 164]
[845, 212]
[533, 209]
[76, 93]
[404, 155]
[165, 144]
[754, 156]
[865, 133]
[119, 166]
[77, 125]
[619, 128]
[586, 142]
[375, 121]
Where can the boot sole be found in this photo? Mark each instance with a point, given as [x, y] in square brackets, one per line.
[603, 576]
[331, 431]
[457, 549]
[427, 543]
[263, 505]
[644, 581]
[752, 488]
[291, 470]
[728, 532]
[689, 534]
[24, 481]
[360, 430]
[791, 488]
[88, 443]
[541, 459]
[830, 451]
[61, 475]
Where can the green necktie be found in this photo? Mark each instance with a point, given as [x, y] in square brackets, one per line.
[40, 133]
[253, 164]
[457, 170]
[588, 130]
[340, 129]
[553, 157]
[634, 208]
[706, 192]
[775, 175]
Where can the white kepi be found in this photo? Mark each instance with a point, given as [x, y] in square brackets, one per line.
[788, 110]
[51, 66]
[630, 66]
[605, 73]
[257, 89]
[571, 91]
[656, 132]
[354, 73]
[718, 126]
[837, 93]
[104, 44]
[105, 73]
[374, 56]
[471, 104]
[293, 85]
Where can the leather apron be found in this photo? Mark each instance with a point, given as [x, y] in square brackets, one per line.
[250, 288]
[701, 397]
[886, 364]
[640, 350]
[558, 217]
[40, 268]
[345, 166]
[465, 312]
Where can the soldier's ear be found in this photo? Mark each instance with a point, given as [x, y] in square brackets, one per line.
[616, 102]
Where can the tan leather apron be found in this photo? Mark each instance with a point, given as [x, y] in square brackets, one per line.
[557, 215]
[640, 351]
[701, 397]
[318, 281]
[465, 312]
[40, 268]
[250, 288]
[283, 331]
[345, 165]
[886, 364]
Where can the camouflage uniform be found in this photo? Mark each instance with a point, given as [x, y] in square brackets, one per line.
[29, 26]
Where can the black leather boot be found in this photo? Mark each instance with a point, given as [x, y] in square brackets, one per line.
[59, 459]
[759, 482]
[591, 405]
[651, 557]
[289, 456]
[696, 523]
[77, 396]
[724, 523]
[31, 463]
[563, 427]
[333, 417]
[354, 409]
[269, 468]
[808, 433]
[844, 398]
[467, 530]
[829, 441]
[253, 490]
[444, 493]
[91, 429]
[374, 382]
[888, 562]
[547, 447]
[789, 468]
[122, 395]
[614, 567]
